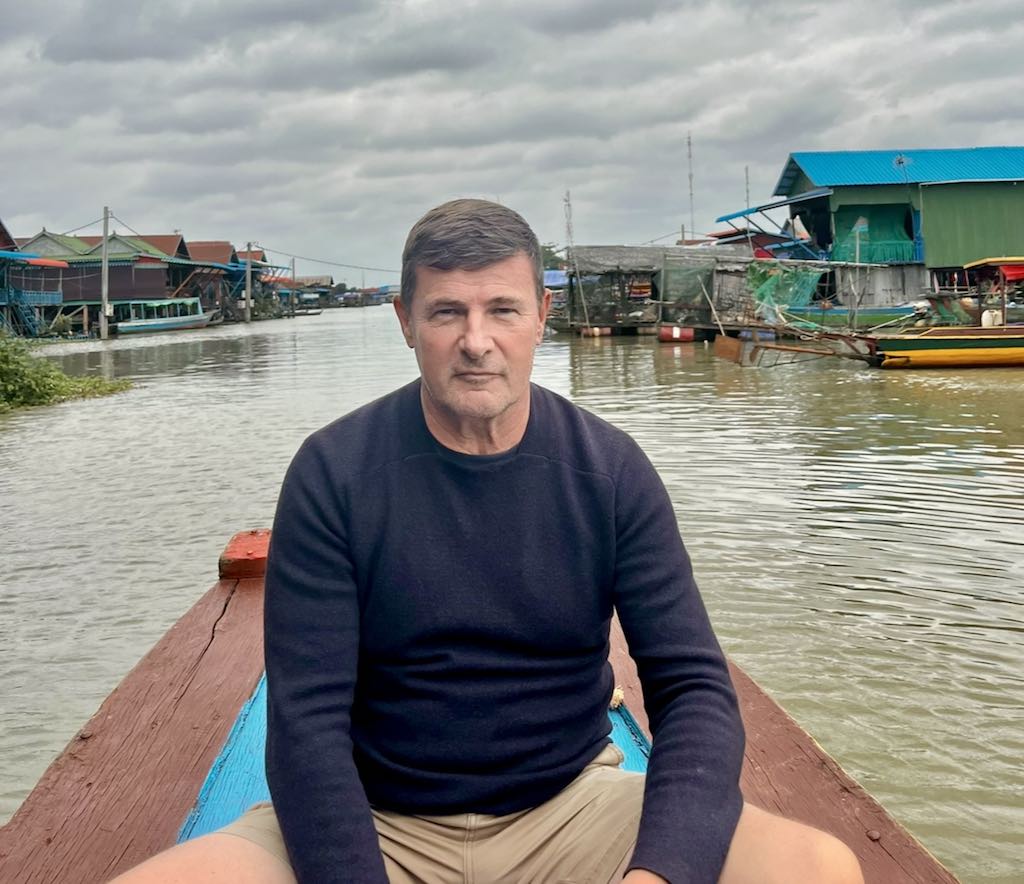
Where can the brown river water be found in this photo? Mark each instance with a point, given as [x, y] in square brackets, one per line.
[858, 536]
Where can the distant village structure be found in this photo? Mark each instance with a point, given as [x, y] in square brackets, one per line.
[51, 283]
[865, 230]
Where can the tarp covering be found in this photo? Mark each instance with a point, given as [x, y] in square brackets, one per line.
[32, 260]
[872, 235]
[1013, 272]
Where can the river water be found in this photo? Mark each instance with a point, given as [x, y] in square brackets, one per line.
[858, 536]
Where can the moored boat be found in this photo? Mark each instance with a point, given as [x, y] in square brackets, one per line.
[170, 323]
[177, 750]
[959, 329]
[135, 317]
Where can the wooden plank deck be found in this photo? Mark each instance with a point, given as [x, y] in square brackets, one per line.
[125, 786]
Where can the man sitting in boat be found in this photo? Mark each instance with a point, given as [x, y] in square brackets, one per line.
[443, 571]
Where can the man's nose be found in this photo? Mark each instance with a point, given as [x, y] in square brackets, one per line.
[476, 338]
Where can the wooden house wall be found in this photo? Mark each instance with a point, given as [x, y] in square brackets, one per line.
[126, 282]
[6, 240]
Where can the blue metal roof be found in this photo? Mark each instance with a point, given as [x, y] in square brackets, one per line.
[839, 168]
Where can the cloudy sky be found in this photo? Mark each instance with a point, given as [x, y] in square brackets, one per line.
[326, 127]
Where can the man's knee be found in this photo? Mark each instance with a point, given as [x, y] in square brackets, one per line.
[834, 861]
[770, 848]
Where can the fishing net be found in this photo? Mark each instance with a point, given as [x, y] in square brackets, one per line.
[776, 287]
[872, 235]
[686, 289]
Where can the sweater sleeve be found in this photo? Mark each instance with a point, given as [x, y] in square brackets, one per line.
[311, 627]
[692, 799]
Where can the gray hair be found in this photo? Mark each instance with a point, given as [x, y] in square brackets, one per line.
[467, 234]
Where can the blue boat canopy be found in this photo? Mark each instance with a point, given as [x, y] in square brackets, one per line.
[776, 204]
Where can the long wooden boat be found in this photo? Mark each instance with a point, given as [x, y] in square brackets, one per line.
[177, 750]
[165, 323]
[937, 347]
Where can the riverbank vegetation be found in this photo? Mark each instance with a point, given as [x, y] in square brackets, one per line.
[26, 380]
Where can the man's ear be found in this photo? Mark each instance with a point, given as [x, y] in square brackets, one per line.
[545, 307]
[405, 321]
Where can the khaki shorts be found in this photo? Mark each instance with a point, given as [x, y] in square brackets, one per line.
[584, 835]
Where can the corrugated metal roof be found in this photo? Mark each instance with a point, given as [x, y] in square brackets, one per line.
[849, 168]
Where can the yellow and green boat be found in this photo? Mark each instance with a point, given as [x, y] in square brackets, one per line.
[946, 347]
[962, 334]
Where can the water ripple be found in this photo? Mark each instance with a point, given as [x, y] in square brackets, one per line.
[857, 535]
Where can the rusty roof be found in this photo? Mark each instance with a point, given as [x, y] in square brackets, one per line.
[256, 254]
[217, 251]
[169, 243]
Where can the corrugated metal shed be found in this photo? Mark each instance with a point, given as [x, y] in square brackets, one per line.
[635, 259]
[839, 168]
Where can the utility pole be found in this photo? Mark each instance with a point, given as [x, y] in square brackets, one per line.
[575, 282]
[292, 295]
[248, 282]
[104, 278]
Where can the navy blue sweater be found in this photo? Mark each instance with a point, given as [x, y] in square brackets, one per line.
[437, 637]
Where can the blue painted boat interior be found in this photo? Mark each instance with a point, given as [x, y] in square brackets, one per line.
[237, 778]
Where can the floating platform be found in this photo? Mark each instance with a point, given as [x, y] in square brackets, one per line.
[176, 750]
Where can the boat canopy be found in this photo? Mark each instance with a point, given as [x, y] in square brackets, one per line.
[777, 204]
[1011, 267]
[32, 260]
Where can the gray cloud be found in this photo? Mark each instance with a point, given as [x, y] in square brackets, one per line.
[328, 128]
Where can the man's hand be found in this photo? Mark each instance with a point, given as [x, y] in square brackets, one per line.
[642, 876]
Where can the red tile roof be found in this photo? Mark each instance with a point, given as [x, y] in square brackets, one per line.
[168, 243]
[257, 255]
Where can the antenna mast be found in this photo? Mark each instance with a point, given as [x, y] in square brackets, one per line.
[575, 265]
[689, 161]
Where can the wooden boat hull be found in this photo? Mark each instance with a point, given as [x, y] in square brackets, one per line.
[952, 348]
[170, 323]
[176, 750]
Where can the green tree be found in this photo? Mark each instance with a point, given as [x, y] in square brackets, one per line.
[552, 256]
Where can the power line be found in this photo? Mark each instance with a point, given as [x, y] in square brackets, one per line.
[82, 227]
[126, 224]
[647, 242]
[324, 261]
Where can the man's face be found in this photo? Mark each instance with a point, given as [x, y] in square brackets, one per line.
[474, 333]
